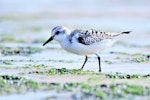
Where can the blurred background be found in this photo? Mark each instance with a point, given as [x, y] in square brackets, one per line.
[26, 24]
[32, 20]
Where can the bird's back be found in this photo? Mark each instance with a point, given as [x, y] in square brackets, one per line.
[88, 37]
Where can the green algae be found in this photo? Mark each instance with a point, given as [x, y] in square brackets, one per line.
[14, 84]
[101, 94]
[134, 89]
[126, 76]
[8, 51]
[139, 59]
[108, 62]
[64, 71]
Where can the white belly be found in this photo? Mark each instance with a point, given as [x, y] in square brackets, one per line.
[82, 49]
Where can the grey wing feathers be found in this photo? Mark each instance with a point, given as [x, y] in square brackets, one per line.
[91, 36]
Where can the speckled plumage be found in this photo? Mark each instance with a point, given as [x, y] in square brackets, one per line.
[91, 36]
[84, 42]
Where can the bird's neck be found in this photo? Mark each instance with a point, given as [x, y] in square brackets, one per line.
[65, 41]
[63, 38]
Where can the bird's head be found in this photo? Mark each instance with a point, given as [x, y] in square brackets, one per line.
[58, 34]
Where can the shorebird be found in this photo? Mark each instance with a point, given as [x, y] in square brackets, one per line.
[84, 42]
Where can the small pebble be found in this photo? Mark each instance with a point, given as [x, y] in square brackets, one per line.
[148, 57]
[112, 52]
[128, 76]
[103, 86]
[53, 83]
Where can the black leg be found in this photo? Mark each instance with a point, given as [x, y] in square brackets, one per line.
[86, 58]
[99, 61]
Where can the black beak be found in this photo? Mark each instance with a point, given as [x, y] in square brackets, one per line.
[50, 39]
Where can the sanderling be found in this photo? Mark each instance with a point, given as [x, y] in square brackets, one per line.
[84, 42]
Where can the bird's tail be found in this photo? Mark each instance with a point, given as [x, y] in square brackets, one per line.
[127, 32]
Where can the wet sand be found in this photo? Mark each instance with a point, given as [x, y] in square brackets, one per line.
[22, 36]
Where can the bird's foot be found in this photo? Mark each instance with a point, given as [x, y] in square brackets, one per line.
[99, 70]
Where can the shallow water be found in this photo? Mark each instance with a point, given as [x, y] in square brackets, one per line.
[57, 57]
[28, 24]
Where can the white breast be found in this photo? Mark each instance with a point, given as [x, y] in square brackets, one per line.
[82, 49]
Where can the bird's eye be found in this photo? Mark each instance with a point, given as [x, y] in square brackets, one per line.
[57, 33]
